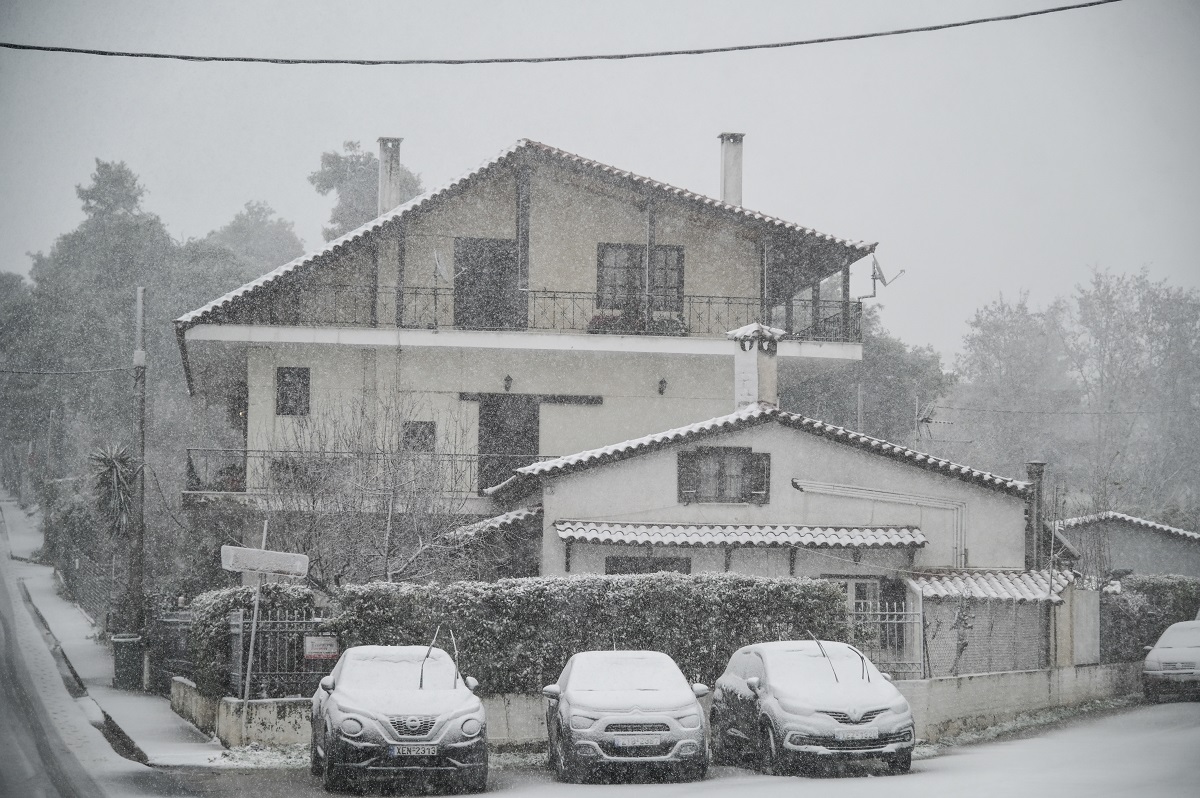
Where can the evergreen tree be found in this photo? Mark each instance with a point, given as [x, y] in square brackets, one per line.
[354, 176]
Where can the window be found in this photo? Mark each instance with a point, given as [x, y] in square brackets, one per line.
[621, 277]
[724, 474]
[862, 595]
[418, 436]
[647, 565]
[291, 391]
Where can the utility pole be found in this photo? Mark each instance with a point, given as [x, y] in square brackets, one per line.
[137, 541]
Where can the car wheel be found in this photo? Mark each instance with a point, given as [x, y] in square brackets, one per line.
[690, 771]
[474, 779]
[566, 769]
[770, 759]
[900, 763]
[314, 762]
[332, 779]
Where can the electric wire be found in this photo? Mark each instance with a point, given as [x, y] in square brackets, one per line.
[553, 59]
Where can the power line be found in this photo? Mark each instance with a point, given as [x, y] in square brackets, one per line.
[85, 371]
[550, 59]
[1067, 412]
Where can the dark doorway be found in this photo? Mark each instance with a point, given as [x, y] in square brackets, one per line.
[487, 293]
[508, 435]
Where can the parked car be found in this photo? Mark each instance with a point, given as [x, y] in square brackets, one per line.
[1170, 666]
[623, 709]
[389, 712]
[796, 704]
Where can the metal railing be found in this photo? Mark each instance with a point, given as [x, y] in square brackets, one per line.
[280, 668]
[557, 311]
[316, 473]
[890, 635]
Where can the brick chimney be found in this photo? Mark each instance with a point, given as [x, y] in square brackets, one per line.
[1034, 557]
[731, 168]
[755, 369]
[389, 168]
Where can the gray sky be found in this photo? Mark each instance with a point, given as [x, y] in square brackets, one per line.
[983, 160]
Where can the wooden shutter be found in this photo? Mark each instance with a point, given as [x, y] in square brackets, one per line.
[688, 474]
[759, 480]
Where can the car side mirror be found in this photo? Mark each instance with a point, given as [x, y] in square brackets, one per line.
[754, 683]
[551, 691]
[471, 682]
[326, 684]
[1147, 648]
[700, 690]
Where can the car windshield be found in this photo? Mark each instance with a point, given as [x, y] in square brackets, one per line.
[626, 673]
[1180, 637]
[394, 673]
[809, 665]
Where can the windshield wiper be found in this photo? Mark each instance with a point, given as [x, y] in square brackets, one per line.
[864, 672]
[428, 651]
[826, 656]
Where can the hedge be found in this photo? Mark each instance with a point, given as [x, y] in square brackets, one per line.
[515, 635]
[1142, 611]
[208, 639]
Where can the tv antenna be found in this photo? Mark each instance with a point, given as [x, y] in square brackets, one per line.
[877, 276]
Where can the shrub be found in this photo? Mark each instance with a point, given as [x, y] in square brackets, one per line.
[1142, 611]
[208, 640]
[515, 635]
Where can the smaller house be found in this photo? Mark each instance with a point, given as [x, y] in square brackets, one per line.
[1109, 542]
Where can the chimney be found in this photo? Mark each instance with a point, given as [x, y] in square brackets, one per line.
[389, 167]
[755, 370]
[1034, 557]
[731, 168]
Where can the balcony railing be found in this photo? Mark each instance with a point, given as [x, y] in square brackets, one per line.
[325, 474]
[558, 311]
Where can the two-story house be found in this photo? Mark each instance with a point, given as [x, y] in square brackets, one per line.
[542, 303]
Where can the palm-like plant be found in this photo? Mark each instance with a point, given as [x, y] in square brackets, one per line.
[113, 472]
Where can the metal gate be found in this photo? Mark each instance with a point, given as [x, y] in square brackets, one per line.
[889, 633]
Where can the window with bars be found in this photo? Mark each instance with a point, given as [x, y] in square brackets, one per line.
[291, 391]
[621, 277]
[724, 474]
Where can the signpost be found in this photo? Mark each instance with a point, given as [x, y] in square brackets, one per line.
[260, 561]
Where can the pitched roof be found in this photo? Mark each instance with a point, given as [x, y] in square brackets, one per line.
[504, 521]
[1109, 515]
[739, 534]
[743, 418]
[1003, 585]
[202, 314]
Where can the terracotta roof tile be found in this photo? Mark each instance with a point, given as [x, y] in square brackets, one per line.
[503, 521]
[739, 534]
[1109, 515]
[1003, 585]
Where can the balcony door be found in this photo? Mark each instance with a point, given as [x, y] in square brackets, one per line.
[487, 293]
[508, 435]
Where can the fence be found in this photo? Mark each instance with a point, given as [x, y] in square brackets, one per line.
[980, 636]
[890, 635]
[280, 668]
[167, 646]
[88, 575]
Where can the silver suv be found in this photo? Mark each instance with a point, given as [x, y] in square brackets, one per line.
[390, 712]
[625, 709]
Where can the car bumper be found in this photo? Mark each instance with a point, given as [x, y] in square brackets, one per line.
[598, 746]
[1171, 681]
[369, 760]
[887, 744]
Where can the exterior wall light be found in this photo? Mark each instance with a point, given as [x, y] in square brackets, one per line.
[662, 386]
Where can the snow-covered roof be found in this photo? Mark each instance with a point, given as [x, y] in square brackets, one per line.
[743, 418]
[861, 248]
[1004, 585]
[738, 534]
[504, 521]
[1109, 515]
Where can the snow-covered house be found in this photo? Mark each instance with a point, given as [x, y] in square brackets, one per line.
[1110, 542]
[542, 303]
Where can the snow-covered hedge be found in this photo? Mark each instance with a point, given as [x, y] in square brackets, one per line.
[515, 635]
[1143, 609]
[208, 640]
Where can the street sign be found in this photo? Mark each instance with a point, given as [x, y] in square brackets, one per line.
[263, 561]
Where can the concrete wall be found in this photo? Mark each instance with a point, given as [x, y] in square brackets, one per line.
[844, 486]
[950, 705]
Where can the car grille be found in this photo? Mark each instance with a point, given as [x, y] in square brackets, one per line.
[637, 727]
[412, 725]
[842, 717]
[1179, 666]
[662, 749]
[850, 745]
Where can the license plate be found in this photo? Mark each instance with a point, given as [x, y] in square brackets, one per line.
[413, 750]
[861, 734]
[635, 740]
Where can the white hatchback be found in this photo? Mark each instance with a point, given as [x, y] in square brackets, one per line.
[1171, 663]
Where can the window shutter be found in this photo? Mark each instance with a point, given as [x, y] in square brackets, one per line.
[688, 467]
[759, 483]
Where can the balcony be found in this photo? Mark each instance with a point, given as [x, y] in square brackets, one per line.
[560, 311]
[298, 476]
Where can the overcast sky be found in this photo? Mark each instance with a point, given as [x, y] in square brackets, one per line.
[984, 160]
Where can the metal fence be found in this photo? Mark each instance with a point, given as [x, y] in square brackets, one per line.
[88, 575]
[970, 635]
[889, 633]
[168, 649]
[279, 669]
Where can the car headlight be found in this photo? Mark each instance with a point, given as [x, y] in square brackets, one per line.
[471, 727]
[582, 722]
[689, 721]
[351, 727]
[795, 707]
[1152, 665]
